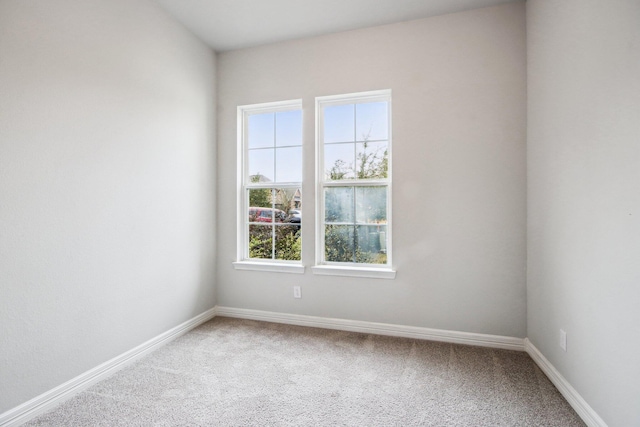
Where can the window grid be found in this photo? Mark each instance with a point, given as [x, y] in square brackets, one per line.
[245, 222]
[325, 182]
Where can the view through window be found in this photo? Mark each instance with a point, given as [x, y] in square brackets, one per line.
[354, 146]
[353, 196]
[272, 181]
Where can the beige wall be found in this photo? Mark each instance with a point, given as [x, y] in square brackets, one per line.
[584, 199]
[107, 183]
[459, 125]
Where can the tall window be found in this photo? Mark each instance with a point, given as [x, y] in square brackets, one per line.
[270, 152]
[354, 179]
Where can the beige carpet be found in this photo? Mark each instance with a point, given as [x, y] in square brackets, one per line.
[231, 372]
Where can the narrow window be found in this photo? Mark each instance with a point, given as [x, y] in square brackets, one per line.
[270, 199]
[354, 179]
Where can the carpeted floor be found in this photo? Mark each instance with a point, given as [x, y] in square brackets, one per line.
[231, 372]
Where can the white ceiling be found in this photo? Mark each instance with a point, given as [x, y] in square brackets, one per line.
[234, 24]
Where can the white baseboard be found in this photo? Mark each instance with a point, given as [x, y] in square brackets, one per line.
[44, 402]
[588, 415]
[482, 340]
[48, 400]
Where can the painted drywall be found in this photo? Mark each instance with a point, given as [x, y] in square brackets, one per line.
[107, 184]
[583, 198]
[459, 203]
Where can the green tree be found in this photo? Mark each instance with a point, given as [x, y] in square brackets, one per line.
[370, 164]
[284, 197]
[339, 170]
[259, 197]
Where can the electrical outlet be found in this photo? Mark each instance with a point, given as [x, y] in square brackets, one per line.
[563, 340]
[296, 292]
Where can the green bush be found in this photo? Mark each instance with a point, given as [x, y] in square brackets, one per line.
[341, 246]
[288, 242]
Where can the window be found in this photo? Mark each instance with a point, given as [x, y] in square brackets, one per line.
[354, 182]
[270, 177]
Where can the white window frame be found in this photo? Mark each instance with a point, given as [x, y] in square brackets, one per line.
[243, 262]
[322, 266]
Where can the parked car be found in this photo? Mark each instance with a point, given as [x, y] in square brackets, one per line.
[295, 217]
[258, 214]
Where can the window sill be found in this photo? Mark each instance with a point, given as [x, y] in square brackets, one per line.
[372, 273]
[264, 266]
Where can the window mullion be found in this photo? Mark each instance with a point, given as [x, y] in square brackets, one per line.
[355, 146]
[357, 183]
[273, 240]
[258, 185]
[275, 151]
[355, 238]
[273, 220]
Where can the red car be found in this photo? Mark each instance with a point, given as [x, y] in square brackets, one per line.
[266, 215]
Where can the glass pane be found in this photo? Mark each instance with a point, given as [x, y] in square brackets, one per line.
[286, 200]
[338, 204]
[261, 241]
[372, 121]
[371, 205]
[289, 164]
[289, 128]
[261, 165]
[288, 242]
[339, 243]
[339, 123]
[372, 160]
[371, 244]
[339, 161]
[293, 207]
[260, 197]
[260, 205]
[261, 130]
